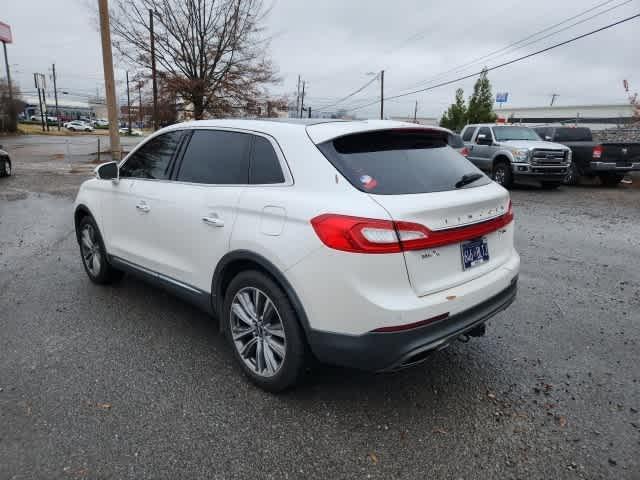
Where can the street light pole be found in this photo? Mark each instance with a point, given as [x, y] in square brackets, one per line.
[381, 94]
[153, 71]
[55, 95]
[128, 104]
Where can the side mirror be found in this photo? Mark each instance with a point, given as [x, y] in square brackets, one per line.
[108, 171]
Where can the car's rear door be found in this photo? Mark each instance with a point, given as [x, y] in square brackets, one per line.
[195, 212]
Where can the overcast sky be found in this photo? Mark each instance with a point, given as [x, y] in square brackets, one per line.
[334, 44]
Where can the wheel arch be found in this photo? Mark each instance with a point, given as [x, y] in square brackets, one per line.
[241, 260]
[500, 157]
[80, 212]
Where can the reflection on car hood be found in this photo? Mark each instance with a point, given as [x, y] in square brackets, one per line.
[532, 144]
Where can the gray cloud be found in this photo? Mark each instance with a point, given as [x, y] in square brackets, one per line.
[333, 44]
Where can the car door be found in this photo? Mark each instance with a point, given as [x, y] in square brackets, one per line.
[482, 153]
[195, 212]
[130, 215]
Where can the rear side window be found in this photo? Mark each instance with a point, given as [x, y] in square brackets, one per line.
[152, 160]
[216, 157]
[573, 135]
[265, 166]
[455, 141]
[468, 134]
[397, 162]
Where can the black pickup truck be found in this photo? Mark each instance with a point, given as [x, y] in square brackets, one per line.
[609, 161]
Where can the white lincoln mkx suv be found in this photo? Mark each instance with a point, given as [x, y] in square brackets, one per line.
[365, 244]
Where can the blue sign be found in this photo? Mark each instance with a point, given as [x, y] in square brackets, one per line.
[502, 97]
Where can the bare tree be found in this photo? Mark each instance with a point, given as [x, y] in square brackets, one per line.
[210, 53]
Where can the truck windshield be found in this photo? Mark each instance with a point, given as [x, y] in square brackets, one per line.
[505, 133]
[569, 134]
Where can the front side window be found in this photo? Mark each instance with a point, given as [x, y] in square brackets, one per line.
[216, 157]
[152, 160]
[265, 166]
[486, 131]
[398, 162]
[506, 133]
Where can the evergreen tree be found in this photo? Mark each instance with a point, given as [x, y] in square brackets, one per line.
[481, 102]
[455, 118]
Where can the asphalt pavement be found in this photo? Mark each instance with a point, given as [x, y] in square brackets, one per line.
[126, 381]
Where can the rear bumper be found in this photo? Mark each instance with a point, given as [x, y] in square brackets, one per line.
[613, 167]
[392, 351]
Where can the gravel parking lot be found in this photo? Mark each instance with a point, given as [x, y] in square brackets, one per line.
[129, 382]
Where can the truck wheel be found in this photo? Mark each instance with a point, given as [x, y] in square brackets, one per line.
[610, 179]
[573, 175]
[502, 174]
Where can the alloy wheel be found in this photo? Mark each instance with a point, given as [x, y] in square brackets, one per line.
[499, 175]
[90, 247]
[257, 331]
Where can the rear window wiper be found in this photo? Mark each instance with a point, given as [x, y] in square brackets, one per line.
[467, 179]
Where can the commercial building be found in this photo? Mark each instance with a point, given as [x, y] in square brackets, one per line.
[597, 117]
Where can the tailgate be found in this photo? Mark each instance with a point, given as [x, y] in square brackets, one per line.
[439, 268]
[623, 154]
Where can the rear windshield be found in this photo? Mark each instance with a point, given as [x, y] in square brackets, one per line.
[455, 140]
[572, 135]
[397, 162]
[504, 134]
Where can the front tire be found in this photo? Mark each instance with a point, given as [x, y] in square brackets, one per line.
[5, 168]
[502, 174]
[264, 332]
[573, 175]
[94, 255]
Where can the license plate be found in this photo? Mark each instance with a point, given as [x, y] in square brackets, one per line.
[474, 253]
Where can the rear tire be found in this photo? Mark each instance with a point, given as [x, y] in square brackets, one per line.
[94, 255]
[610, 179]
[502, 174]
[267, 341]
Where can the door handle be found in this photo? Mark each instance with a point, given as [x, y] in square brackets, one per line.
[143, 207]
[213, 221]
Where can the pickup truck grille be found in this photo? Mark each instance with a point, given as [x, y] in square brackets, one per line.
[548, 157]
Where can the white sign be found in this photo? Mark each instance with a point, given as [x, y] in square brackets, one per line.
[5, 33]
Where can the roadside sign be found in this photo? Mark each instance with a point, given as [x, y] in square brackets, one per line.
[502, 97]
[5, 33]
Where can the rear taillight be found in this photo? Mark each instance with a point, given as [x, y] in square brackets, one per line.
[464, 152]
[597, 151]
[366, 235]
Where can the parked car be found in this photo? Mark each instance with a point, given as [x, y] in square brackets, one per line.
[609, 161]
[5, 163]
[78, 126]
[516, 154]
[363, 243]
[100, 123]
[125, 131]
[455, 142]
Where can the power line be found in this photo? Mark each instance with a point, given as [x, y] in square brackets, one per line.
[513, 44]
[449, 82]
[323, 108]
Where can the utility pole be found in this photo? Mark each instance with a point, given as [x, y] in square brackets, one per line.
[381, 94]
[553, 98]
[415, 112]
[109, 82]
[35, 80]
[55, 95]
[298, 96]
[6, 66]
[128, 104]
[153, 71]
[309, 110]
[140, 116]
[302, 100]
